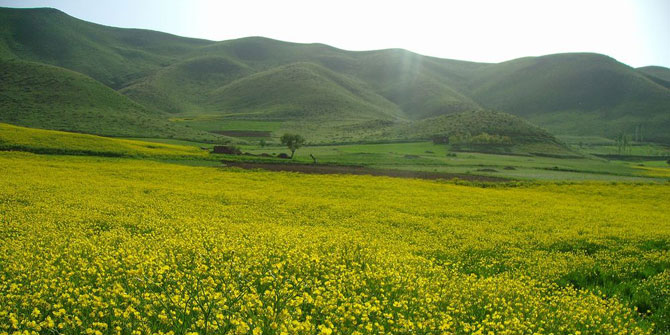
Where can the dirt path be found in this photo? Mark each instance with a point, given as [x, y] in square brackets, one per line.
[360, 170]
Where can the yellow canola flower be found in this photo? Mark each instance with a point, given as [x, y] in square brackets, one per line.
[121, 246]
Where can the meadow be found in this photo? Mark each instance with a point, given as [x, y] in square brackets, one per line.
[108, 245]
[578, 158]
[426, 156]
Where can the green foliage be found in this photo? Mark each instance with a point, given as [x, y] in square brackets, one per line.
[292, 141]
[623, 142]
[460, 138]
[653, 299]
[480, 139]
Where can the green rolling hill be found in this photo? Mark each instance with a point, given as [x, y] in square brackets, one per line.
[113, 56]
[421, 86]
[474, 123]
[484, 130]
[576, 94]
[657, 74]
[44, 96]
[302, 90]
[257, 78]
[186, 85]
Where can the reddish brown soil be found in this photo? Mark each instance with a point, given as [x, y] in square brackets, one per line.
[360, 170]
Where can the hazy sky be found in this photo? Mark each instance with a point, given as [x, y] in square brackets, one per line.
[636, 32]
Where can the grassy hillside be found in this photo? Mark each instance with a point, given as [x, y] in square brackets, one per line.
[476, 122]
[398, 75]
[406, 79]
[421, 86]
[301, 91]
[584, 94]
[186, 86]
[576, 94]
[658, 74]
[656, 71]
[486, 131]
[42, 141]
[263, 53]
[44, 96]
[110, 55]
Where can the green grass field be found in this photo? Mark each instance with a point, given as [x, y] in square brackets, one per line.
[426, 156]
[604, 146]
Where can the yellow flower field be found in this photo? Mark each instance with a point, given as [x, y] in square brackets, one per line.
[662, 172]
[122, 246]
[60, 142]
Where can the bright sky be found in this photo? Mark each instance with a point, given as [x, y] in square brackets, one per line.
[635, 32]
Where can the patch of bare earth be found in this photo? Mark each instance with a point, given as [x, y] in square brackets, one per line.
[360, 170]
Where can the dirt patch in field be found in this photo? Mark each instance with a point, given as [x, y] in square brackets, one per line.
[361, 170]
[244, 133]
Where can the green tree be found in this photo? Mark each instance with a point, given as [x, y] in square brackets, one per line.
[293, 142]
[623, 142]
